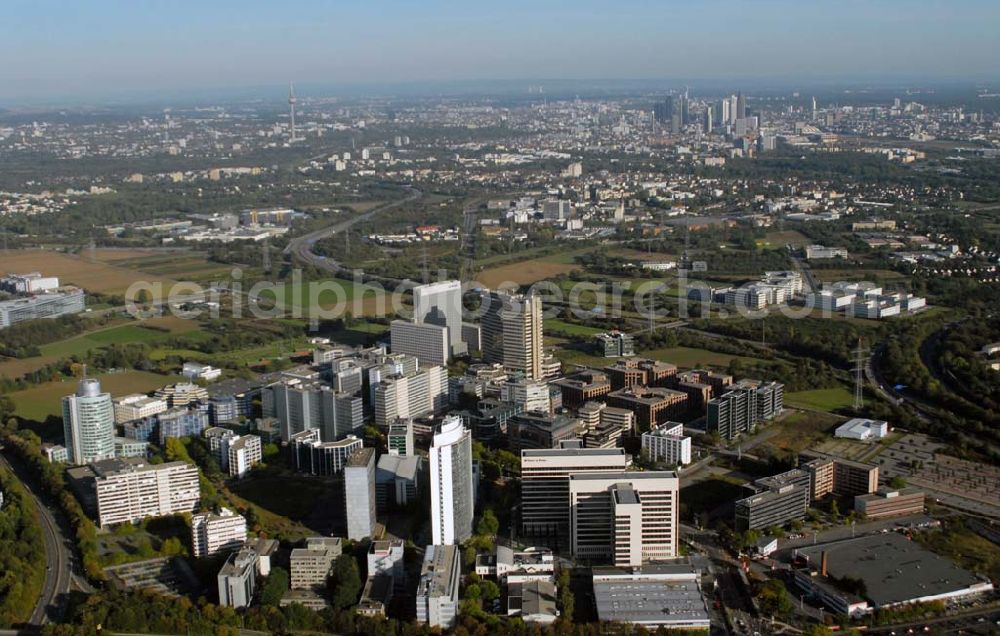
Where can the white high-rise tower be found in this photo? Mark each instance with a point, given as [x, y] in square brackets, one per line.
[452, 490]
[291, 106]
[89, 423]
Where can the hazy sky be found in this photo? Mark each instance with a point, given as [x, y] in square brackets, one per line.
[90, 48]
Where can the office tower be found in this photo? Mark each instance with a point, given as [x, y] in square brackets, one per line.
[291, 109]
[733, 109]
[776, 501]
[814, 107]
[708, 120]
[237, 580]
[310, 566]
[359, 493]
[130, 490]
[741, 106]
[667, 444]
[399, 439]
[684, 108]
[545, 483]
[452, 504]
[724, 114]
[842, 477]
[410, 396]
[441, 304]
[512, 332]
[300, 406]
[89, 423]
[211, 532]
[625, 519]
[425, 341]
[437, 591]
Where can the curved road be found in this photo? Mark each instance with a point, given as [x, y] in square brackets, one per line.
[59, 563]
[301, 247]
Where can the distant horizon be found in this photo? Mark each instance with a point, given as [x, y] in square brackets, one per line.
[107, 50]
[555, 88]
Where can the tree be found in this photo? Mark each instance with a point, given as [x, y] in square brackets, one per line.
[345, 582]
[473, 592]
[491, 591]
[897, 482]
[488, 524]
[835, 509]
[774, 599]
[274, 587]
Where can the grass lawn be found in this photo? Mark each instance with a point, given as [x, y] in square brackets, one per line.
[821, 399]
[43, 400]
[115, 335]
[572, 328]
[358, 299]
[692, 358]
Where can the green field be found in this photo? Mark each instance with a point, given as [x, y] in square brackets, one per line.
[691, 358]
[821, 399]
[357, 298]
[115, 335]
[43, 400]
[572, 328]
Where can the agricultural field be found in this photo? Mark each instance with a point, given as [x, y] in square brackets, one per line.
[121, 334]
[827, 400]
[358, 299]
[526, 272]
[174, 264]
[776, 240]
[79, 270]
[43, 400]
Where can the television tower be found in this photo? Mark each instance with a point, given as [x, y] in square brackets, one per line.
[291, 106]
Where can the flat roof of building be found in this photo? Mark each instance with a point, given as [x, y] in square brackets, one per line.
[625, 476]
[650, 600]
[437, 569]
[572, 452]
[893, 568]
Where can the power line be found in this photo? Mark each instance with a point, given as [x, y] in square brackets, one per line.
[859, 373]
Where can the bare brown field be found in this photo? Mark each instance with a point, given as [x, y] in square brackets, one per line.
[111, 255]
[93, 276]
[524, 273]
[16, 367]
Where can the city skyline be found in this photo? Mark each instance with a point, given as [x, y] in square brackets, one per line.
[73, 53]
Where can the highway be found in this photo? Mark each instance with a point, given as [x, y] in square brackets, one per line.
[58, 568]
[59, 575]
[301, 247]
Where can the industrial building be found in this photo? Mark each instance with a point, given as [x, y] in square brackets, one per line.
[653, 596]
[894, 571]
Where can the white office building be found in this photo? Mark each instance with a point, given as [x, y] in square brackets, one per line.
[359, 493]
[136, 407]
[425, 341]
[409, 396]
[211, 532]
[452, 488]
[625, 519]
[668, 444]
[441, 304]
[130, 490]
[243, 452]
[89, 423]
